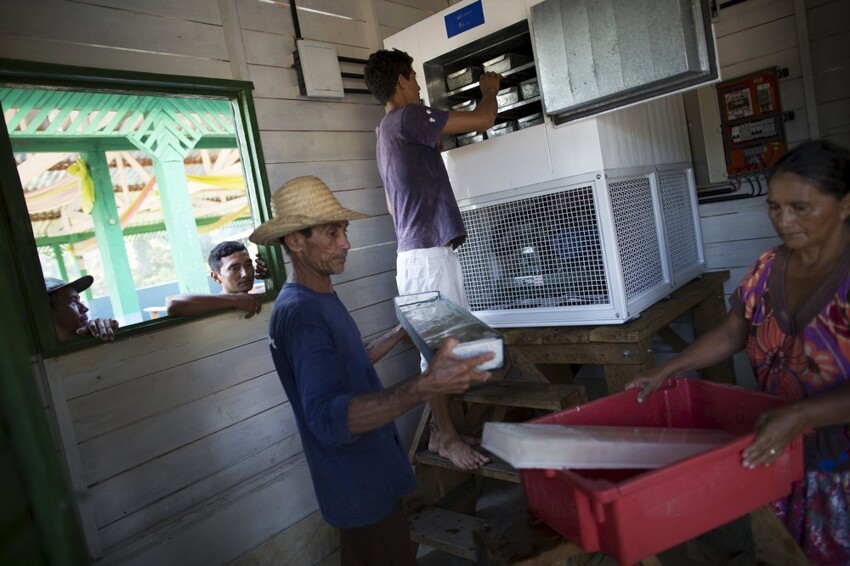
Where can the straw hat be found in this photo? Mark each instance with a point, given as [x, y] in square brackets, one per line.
[301, 203]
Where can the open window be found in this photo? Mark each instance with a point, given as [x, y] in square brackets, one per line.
[131, 179]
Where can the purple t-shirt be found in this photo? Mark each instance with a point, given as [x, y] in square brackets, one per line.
[425, 211]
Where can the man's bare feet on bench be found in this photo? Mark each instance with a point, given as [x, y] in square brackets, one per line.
[457, 450]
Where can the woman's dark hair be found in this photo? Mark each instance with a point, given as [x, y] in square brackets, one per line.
[382, 70]
[822, 163]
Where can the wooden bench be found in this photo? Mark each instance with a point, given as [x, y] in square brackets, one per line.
[624, 350]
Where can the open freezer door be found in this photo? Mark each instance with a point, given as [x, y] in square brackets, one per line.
[598, 55]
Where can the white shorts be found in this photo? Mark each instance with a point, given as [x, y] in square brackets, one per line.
[431, 269]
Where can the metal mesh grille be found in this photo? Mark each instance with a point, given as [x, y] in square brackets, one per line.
[541, 251]
[679, 221]
[637, 238]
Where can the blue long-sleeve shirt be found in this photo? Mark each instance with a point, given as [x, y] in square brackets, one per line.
[320, 358]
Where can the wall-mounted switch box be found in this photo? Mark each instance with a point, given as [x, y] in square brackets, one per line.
[318, 69]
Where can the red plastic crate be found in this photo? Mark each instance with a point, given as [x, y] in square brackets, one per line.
[633, 514]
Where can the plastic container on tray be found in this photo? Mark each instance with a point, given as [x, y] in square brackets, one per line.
[501, 129]
[465, 106]
[505, 62]
[507, 96]
[471, 137]
[633, 514]
[462, 78]
[529, 89]
[532, 120]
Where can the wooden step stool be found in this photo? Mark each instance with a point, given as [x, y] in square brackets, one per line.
[441, 510]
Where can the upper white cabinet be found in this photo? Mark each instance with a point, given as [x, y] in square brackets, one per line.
[537, 137]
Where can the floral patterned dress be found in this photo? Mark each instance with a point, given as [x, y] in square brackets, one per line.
[796, 356]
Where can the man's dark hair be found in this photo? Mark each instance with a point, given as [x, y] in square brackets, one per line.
[223, 250]
[822, 163]
[382, 70]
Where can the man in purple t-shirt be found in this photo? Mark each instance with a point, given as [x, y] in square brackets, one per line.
[420, 199]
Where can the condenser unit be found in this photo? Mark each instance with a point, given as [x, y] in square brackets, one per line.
[589, 250]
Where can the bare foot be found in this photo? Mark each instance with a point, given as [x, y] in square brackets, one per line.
[456, 450]
[434, 440]
[471, 440]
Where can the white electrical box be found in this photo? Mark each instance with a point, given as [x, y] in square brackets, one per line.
[319, 69]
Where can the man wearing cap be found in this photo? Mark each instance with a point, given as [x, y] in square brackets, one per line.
[426, 216]
[231, 267]
[359, 467]
[69, 313]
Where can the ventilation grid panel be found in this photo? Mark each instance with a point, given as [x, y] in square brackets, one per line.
[541, 251]
[679, 221]
[637, 238]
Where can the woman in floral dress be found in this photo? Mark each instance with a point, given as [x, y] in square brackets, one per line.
[792, 313]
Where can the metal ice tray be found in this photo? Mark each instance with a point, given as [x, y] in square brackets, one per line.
[505, 62]
[429, 319]
[462, 78]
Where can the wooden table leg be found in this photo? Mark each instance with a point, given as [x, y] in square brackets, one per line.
[773, 543]
[525, 366]
[420, 436]
[617, 375]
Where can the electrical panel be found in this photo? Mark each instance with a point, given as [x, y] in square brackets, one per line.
[751, 123]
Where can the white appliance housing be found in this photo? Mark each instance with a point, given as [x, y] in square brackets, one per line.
[589, 222]
[592, 249]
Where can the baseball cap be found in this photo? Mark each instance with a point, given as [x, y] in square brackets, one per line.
[53, 284]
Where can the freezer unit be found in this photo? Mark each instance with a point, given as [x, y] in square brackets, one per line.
[586, 251]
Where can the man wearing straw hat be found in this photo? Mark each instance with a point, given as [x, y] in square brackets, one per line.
[359, 467]
[426, 216]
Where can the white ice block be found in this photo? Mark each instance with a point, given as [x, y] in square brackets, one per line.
[552, 446]
[429, 319]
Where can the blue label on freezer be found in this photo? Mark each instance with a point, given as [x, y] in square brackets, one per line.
[466, 18]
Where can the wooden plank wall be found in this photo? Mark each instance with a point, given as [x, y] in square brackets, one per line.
[172, 432]
[180, 443]
[752, 36]
[829, 43]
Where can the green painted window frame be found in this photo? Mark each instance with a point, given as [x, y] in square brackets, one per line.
[16, 230]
